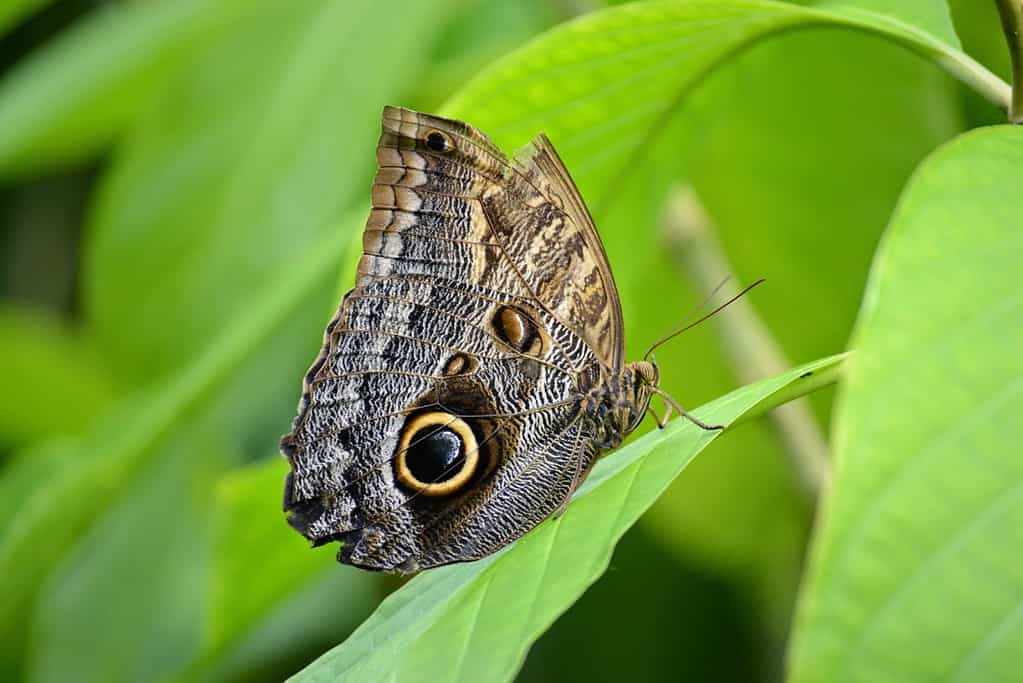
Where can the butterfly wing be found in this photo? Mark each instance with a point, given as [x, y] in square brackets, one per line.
[542, 244]
[442, 418]
[564, 252]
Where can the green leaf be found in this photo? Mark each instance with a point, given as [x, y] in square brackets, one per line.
[121, 606]
[602, 85]
[260, 563]
[242, 164]
[790, 159]
[932, 16]
[915, 572]
[37, 354]
[251, 525]
[314, 616]
[475, 622]
[57, 498]
[70, 98]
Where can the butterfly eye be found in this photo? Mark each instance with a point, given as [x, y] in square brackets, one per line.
[437, 454]
[438, 141]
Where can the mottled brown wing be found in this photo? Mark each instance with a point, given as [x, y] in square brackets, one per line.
[483, 308]
[529, 210]
[571, 272]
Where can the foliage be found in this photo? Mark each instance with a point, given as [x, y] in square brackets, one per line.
[232, 144]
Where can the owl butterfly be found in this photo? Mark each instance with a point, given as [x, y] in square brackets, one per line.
[474, 374]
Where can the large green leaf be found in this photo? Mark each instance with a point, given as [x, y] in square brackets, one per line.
[790, 160]
[601, 85]
[932, 16]
[70, 98]
[916, 572]
[475, 622]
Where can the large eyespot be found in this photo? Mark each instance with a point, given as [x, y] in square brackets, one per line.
[438, 141]
[437, 454]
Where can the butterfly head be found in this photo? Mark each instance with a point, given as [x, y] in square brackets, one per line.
[643, 378]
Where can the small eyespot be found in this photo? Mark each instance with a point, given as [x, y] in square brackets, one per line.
[459, 364]
[438, 141]
[437, 454]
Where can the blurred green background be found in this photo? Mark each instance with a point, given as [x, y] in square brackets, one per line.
[165, 169]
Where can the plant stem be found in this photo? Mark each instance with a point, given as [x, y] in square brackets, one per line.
[748, 345]
[1011, 12]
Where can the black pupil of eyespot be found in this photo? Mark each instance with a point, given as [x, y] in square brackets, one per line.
[435, 456]
[436, 142]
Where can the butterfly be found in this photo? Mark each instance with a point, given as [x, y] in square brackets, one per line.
[472, 377]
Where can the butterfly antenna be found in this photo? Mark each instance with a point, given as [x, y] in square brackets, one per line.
[671, 335]
[687, 317]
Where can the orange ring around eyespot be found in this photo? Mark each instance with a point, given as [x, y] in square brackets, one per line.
[469, 446]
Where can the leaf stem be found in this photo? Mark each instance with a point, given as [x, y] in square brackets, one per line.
[1011, 12]
[749, 346]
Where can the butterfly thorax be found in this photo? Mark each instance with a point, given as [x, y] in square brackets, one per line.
[614, 403]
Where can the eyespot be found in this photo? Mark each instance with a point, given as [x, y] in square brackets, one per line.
[518, 329]
[459, 364]
[438, 141]
[437, 454]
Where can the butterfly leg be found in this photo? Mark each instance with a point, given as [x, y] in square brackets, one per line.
[695, 420]
[672, 403]
[662, 422]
